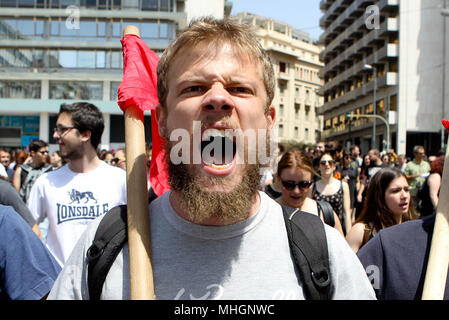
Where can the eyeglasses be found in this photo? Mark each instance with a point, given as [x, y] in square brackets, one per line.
[61, 130]
[291, 185]
[43, 152]
[324, 162]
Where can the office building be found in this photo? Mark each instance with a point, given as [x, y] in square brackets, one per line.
[61, 51]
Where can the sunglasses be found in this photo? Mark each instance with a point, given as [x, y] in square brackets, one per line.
[291, 185]
[324, 162]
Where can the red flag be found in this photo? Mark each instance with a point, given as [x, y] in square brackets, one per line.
[138, 88]
[445, 124]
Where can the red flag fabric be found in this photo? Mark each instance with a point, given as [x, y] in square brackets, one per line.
[445, 124]
[138, 88]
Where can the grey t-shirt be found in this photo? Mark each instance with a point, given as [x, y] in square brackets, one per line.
[247, 260]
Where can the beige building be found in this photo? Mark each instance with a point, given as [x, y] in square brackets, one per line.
[296, 64]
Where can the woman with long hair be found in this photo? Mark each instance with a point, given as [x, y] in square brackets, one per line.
[387, 203]
[295, 174]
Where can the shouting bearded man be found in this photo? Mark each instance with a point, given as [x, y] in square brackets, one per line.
[214, 235]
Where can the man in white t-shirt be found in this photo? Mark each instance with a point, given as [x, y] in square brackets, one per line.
[214, 235]
[82, 190]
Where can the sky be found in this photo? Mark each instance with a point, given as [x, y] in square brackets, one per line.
[300, 14]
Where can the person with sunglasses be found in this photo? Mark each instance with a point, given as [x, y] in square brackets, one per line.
[295, 174]
[334, 191]
[37, 164]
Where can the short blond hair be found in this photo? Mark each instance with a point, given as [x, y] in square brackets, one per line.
[213, 31]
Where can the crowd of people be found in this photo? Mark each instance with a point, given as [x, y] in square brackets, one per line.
[221, 228]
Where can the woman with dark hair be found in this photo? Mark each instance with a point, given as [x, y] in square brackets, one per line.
[332, 190]
[295, 173]
[387, 203]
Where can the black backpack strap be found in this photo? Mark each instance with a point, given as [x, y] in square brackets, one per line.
[309, 247]
[328, 212]
[109, 238]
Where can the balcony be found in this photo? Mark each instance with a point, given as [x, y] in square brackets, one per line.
[390, 51]
[352, 12]
[324, 4]
[331, 13]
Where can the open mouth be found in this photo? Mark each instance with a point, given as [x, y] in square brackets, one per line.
[218, 149]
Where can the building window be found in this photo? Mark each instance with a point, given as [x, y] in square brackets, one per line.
[76, 90]
[282, 67]
[20, 89]
[306, 134]
[114, 90]
[296, 132]
[281, 110]
[281, 130]
[297, 107]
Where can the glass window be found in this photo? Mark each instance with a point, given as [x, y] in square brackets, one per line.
[68, 58]
[165, 5]
[281, 130]
[39, 28]
[100, 59]
[54, 28]
[114, 89]
[51, 59]
[86, 59]
[163, 30]
[38, 58]
[22, 89]
[53, 3]
[11, 27]
[150, 5]
[88, 28]
[101, 29]
[149, 30]
[116, 29]
[26, 3]
[76, 90]
[25, 27]
[2, 89]
[8, 3]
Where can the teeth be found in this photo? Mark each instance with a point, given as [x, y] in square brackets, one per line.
[207, 134]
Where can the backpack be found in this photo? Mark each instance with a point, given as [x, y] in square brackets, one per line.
[29, 175]
[326, 209]
[305, 231]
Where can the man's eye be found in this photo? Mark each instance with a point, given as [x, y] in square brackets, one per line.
[239, 90]
[193, 89]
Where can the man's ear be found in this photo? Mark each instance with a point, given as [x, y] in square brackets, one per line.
[161, 119]
[85, 135]
[271, 116]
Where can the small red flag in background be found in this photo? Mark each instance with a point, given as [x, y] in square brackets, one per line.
[138, 88]
[445, 124]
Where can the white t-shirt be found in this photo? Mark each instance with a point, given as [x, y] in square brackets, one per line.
[71, 200]
[247, 260]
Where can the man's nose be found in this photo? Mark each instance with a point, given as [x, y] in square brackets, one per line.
[218, 99]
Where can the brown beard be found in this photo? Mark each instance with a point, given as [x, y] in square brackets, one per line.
[201, 204]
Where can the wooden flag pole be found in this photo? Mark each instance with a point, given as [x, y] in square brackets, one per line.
[139, 241]
[437, 266]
